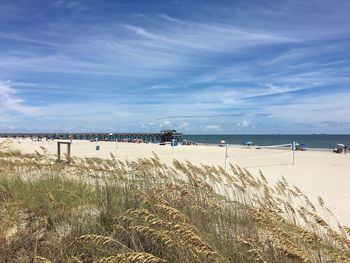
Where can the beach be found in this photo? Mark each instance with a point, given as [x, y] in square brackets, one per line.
[316, 173]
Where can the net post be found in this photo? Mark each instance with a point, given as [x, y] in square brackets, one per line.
[293, 145]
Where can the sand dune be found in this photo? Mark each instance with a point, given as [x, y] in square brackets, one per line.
[316, 173]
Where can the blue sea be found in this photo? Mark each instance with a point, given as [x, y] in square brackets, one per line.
[325, 141]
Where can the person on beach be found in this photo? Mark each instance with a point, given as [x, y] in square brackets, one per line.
[345, 149]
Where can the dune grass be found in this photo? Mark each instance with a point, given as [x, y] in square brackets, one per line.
[94, 210]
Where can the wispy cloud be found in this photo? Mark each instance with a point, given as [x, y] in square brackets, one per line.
[207, 37]
[233, 68]
[205, 116]
[10, 102]
[211, 127]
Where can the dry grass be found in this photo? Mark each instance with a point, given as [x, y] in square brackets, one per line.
[94, 210]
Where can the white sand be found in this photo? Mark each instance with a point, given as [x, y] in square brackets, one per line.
[322, 174]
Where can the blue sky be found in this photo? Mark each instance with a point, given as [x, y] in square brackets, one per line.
[195, 66]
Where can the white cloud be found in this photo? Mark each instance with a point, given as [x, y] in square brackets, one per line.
[155, 50]
[245, 124]
[10, 102]
[67, 4]
[205, 36]
[216, 127]
[312, 108]
[183, 126]
[166, 124]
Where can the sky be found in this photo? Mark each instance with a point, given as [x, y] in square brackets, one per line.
[200, 67]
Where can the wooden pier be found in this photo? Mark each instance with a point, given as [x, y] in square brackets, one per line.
[162, 136]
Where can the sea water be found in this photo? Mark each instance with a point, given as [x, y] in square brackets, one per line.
[326, 141]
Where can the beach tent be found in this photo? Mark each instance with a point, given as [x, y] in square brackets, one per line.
[340, 145]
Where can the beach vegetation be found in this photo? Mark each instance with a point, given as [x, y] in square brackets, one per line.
[107, 210]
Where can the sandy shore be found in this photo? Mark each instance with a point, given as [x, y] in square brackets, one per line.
[316, 173]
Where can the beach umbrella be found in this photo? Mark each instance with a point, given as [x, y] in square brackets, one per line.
[222, 141]
[340, 145]
[248, 143]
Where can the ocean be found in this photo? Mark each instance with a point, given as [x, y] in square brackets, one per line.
[325, 141]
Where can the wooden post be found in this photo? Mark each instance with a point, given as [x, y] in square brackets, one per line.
[68, 150]
[58, 151]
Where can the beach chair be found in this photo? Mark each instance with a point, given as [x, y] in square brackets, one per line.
[337, 150]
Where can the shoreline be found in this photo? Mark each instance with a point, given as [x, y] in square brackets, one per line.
[265, 147]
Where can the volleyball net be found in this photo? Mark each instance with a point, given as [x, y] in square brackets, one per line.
[250, 156]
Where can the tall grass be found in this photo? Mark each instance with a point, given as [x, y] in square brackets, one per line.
[94, 210]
